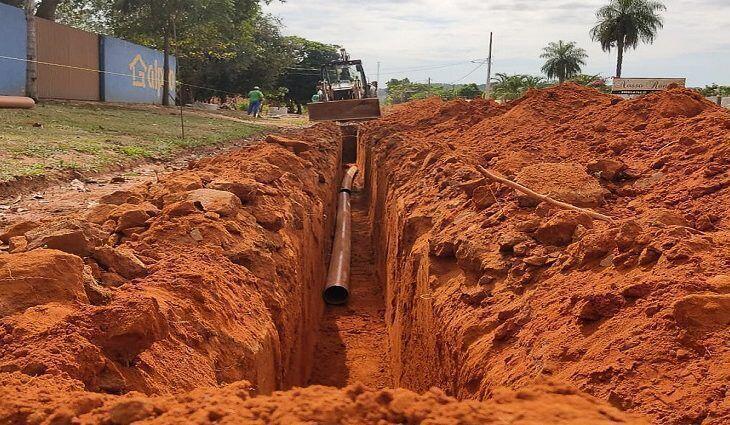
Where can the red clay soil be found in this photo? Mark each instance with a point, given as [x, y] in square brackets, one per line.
[191, 299]
[197, 298]
[208, 277]
[485, 288]
[42, 400]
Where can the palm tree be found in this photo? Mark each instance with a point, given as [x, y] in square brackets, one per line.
[510, 87]
[624, 23]
[564, 60]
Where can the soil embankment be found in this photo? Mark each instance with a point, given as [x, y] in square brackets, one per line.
[208, 277]
[486, 288]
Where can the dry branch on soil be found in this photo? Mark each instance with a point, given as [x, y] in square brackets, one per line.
[529, 192]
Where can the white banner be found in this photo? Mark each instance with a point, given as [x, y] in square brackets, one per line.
[645, 84]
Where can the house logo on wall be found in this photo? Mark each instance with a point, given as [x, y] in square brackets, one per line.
[148, 76]
[139, 70]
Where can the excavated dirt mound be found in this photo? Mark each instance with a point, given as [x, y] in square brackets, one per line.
[486, 287]
[208, 277]
[45, 401]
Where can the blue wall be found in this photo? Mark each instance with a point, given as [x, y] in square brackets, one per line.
[13, 44]
[141, 70]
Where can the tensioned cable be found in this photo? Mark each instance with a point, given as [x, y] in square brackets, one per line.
[80, 68]
[417, 69]
[481, 64]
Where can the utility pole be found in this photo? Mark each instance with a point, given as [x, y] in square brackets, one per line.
[429, 81]
[378, 74]
[488, 88]
[31, 76]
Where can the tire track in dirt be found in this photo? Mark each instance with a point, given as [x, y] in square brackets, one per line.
[352, 344]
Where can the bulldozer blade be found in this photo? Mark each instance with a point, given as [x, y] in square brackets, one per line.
[345, 110]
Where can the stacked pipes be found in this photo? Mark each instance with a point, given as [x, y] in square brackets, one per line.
[337, 289]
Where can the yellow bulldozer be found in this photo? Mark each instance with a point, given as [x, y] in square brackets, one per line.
[344, 94]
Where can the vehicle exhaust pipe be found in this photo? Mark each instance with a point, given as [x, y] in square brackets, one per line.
[337, 288]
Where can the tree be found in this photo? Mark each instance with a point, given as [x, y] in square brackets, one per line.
[87, 15]
[156, 19]
[622, 24]
[404, 90]
[563, 60]
[595, 81]
[216, 38]
[302, 77]
[46, 8]
[469, 91]
[510, 87]
[715, 90]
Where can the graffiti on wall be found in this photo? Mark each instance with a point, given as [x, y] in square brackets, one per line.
[149, 76]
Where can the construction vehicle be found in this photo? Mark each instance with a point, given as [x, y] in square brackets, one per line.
[344, 94]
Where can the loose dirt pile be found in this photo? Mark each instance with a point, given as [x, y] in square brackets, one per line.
[43, 400]
[208, 277]
[486, 288]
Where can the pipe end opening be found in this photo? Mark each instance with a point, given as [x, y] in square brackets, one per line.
[336, 295]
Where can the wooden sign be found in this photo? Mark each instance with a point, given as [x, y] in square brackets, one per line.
[622, 85]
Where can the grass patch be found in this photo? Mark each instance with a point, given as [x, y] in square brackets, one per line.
[93, 137]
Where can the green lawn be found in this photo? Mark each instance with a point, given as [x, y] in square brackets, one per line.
[93, 137]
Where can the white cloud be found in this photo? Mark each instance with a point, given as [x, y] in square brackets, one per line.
[428, 33]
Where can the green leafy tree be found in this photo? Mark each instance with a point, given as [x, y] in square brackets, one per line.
[87, 15]
[156, 21]
[469, 91]
[399, 91]
[45, 8]
[563, 60]
[404, 90]
[623, 24]
[228, 45]
[595, 81]
[715, 90]
[510, 87]
[302, 76]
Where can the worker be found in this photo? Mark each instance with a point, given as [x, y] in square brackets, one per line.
[373, 89]
[255, 99]
[319, 96]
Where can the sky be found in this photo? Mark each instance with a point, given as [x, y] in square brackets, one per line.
[408, 36]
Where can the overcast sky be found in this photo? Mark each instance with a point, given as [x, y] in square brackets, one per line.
[405, 35]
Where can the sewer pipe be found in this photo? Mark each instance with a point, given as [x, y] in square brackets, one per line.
[337, 288]
[16, 102]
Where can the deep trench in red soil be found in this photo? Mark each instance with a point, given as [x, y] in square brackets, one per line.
[352, 345]
[199, 295]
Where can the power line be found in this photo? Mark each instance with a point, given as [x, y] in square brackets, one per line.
[481, 64]
[80, 68]
[416, 69]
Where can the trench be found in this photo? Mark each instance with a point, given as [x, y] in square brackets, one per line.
[352, 345]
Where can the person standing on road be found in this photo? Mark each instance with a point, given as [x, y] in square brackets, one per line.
[255, 99]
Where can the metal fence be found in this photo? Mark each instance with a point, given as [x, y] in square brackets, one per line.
[77, 65]
[134, 73]
[13, 44]
[79, 51]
